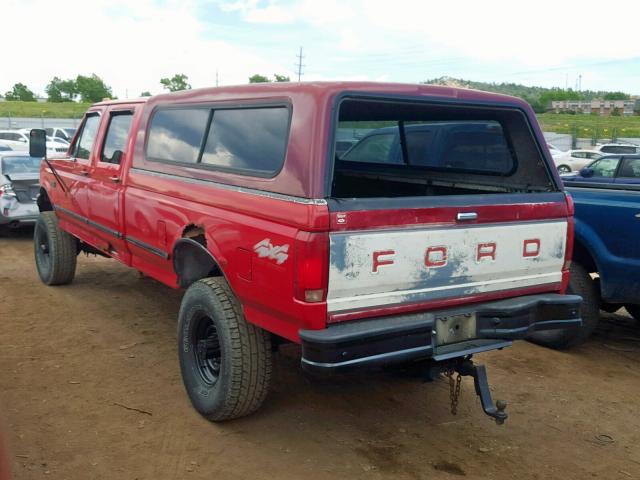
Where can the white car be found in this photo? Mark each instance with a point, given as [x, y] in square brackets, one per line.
[574, 160]
[618, 148]
[58, 133]
[19, 140]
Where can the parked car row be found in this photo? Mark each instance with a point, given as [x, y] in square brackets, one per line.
[573, 160]
[18, 140]
[19, 186]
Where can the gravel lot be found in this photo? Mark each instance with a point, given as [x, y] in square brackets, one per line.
[90, 388]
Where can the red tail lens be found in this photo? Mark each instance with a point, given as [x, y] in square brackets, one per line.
[571, 207]
[312, 266]
[568, 254]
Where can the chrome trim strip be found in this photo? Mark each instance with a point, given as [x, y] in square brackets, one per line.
[146, 246]
[233, 188]
[113, 233]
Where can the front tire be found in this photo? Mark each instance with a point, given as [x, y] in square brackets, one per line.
[225, 361]
[580, 283]
[564, 169]
[56, 251]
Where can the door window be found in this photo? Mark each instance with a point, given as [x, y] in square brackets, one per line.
[605, 167]
[87, 136]
[117, 135]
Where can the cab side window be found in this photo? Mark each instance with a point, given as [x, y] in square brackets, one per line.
[630, 168]
[87, 137]
[116, 138]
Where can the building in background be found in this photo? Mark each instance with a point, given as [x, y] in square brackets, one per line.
[596, 106]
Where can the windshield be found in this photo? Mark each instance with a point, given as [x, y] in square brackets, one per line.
[13, 165]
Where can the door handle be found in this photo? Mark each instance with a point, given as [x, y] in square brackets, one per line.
[84, 173]
[462, 216]
[114, 179]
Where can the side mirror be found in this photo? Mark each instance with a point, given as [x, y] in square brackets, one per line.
[116, 157]
[38, 143]
[586, 172]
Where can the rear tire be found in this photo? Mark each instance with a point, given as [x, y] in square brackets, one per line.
[56, 251]
[634, 310]
[580, 283]
[225, 361]
[564, 169]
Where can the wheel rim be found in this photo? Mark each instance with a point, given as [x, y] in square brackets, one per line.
[42, 248]
[206, 350]
[564, 169]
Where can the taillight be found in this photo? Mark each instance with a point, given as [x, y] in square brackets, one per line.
[6, 190]
[568, 251]
[311, 267]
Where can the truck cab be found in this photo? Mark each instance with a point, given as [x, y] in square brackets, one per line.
[450, 237]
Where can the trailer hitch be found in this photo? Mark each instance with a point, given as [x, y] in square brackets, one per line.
[479, 373]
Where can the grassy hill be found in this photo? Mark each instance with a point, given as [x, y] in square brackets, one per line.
[44, 109]
[591, 126]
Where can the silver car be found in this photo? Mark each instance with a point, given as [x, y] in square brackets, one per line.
[19, 186]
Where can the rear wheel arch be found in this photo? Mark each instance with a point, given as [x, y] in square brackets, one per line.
[583, 256]
[192, 259]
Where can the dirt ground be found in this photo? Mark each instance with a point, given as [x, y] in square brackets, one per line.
[90, 389]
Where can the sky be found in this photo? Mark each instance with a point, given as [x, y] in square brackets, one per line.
[131, 44]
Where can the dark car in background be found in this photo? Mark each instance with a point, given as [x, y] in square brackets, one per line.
[19, 186]
[610, 169]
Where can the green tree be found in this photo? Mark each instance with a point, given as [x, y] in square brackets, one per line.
[92, 89]
[616, 96]
[59, 90]
[616, 112]
[146, 93]
[257, 78]
[176, 83]
[20, 92]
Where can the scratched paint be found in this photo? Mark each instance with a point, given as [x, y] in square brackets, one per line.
[359, 278]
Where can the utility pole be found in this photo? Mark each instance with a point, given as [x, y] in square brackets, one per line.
[580, 82]
[299, 65]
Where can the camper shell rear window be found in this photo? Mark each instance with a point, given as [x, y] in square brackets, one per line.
[417, 148]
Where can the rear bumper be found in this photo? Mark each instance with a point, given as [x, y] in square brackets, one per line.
[409, 337]
[14, 212]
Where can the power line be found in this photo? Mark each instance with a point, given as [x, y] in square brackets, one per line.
[299, 65]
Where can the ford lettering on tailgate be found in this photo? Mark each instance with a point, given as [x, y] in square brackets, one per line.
[371, 269]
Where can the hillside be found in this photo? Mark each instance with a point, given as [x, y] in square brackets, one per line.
[43, 109]
[538, 97]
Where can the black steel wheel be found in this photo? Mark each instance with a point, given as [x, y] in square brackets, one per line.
[205, 347]
[225, 361]
[55, 251]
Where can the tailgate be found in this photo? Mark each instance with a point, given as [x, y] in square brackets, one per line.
[416, 263]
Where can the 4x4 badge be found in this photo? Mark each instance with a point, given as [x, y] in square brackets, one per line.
[266, 249]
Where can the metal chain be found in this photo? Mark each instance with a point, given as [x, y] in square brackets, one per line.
[454, 390]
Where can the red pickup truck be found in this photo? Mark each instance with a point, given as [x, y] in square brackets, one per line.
[442, 232]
